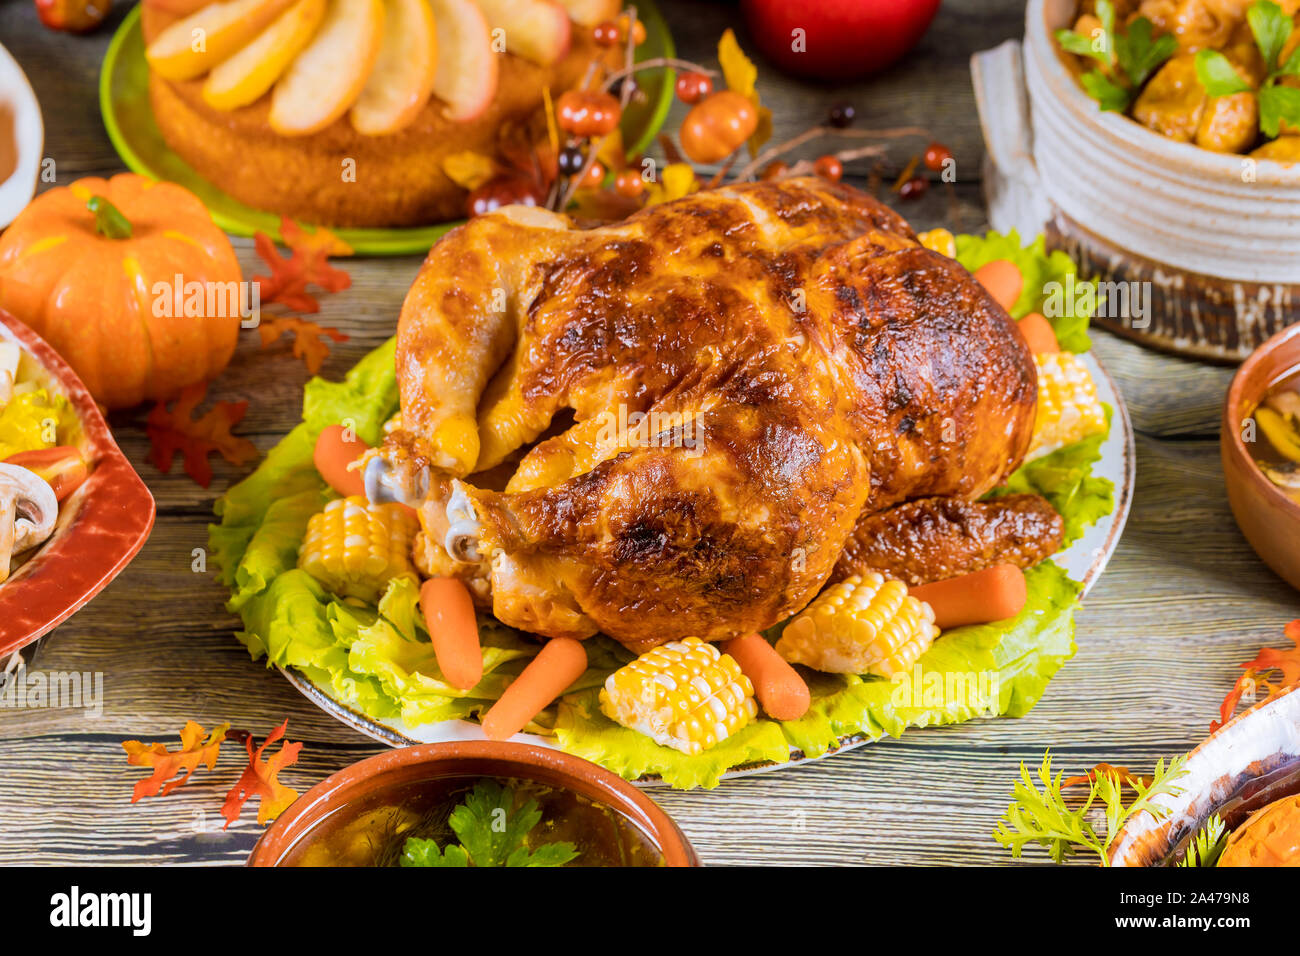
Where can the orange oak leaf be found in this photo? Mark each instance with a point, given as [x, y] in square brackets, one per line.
[168, 763]
[1269, 658]
[1122, 774]
[307, 264]
[178, 431]
[261, 779]
[308, 343]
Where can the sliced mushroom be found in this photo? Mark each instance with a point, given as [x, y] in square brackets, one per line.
[28, 510]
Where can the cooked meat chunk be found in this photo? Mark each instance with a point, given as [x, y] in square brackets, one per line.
[1174, 100]
[936, 538]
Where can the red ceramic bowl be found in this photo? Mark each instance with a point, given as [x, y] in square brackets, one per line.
[486, 758]
[100, 528]
[1268, 518]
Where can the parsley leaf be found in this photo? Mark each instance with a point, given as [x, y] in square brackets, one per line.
[492, 832]
[1126, 59]
[1218, 75]
[1208, 844]
[1272, 28]
[1043, 817]
[1278, 104]
[418, 852]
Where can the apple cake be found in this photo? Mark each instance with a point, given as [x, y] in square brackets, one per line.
[341, 112]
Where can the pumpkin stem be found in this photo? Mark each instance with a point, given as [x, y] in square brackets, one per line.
[109, 220]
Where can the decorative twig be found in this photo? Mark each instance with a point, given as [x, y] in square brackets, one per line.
[653, 63]
[815, 132]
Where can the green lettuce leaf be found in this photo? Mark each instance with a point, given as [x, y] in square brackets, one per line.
[985, 670]
[1052, 284]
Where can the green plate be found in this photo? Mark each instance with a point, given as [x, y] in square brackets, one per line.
[128, 117]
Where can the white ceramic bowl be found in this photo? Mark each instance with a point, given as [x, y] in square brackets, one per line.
[22, 137]
[1217, 236]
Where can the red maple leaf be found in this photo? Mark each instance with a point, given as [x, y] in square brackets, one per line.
[1269, 658]
[308, 343]
[178, 431]
[168, 763]
[261, 779]
[307, 264]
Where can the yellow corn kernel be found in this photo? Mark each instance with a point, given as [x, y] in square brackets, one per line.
[355, 548]
[940, 241]
[684, 694]
[866, 624]
[1068, 407]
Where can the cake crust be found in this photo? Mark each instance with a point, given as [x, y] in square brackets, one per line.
[339, 177]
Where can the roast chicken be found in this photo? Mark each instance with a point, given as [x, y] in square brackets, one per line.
[688, 422]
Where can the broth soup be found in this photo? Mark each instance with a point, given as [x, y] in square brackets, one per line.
[475, 821]
[1277, 447]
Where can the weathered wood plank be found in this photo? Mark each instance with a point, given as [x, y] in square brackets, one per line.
[1183, 601]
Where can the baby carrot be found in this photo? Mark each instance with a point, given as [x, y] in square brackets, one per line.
[336, 448]
[993, 594]
[1039, 334]
[1003, 280]
[777, 685]
[449, 612]
[559, 664]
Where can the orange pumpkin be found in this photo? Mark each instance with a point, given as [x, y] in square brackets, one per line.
[93, 268]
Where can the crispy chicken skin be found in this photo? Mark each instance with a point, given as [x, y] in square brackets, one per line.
[803, 362]
[931, 539]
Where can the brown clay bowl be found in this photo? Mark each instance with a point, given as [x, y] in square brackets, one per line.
[488, 758]
[101, 526]
[1268, 518]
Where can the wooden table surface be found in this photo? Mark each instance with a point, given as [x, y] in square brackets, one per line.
[1183, 601]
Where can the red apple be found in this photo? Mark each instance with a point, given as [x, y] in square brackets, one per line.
[837, 39]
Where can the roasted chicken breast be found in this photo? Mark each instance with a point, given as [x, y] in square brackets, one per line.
[673, 425]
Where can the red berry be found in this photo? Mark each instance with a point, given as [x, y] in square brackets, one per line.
[593, 177]
[936, 154]
[775, 169]
[693, 87]
[629, 183]
[503, 191]
[829, 167]
[605, 33]
[587, 113]
[914, 188]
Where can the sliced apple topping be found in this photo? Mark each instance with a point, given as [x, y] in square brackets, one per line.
[591, 12]
[195, 44]
[536, 30]
[466, 77]
[402, 80]
[327, 77]
[249, 73]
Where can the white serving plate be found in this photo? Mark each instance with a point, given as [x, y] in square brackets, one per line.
[20, 117]
[1083, 561]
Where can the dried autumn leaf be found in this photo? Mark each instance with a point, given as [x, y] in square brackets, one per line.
[261, 779]
[1269, 658]
[306, 265]
[168, 763]
[1122, 775]
[308, 343]
[677, 180]
[177, 431]
[470, 170]
[741, 76]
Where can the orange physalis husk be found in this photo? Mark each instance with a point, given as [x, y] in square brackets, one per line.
[168, 763]
[307, 342]
[262, 780]
[178, 431]
[1269, 658]
[307, 264]
[1121, 774]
